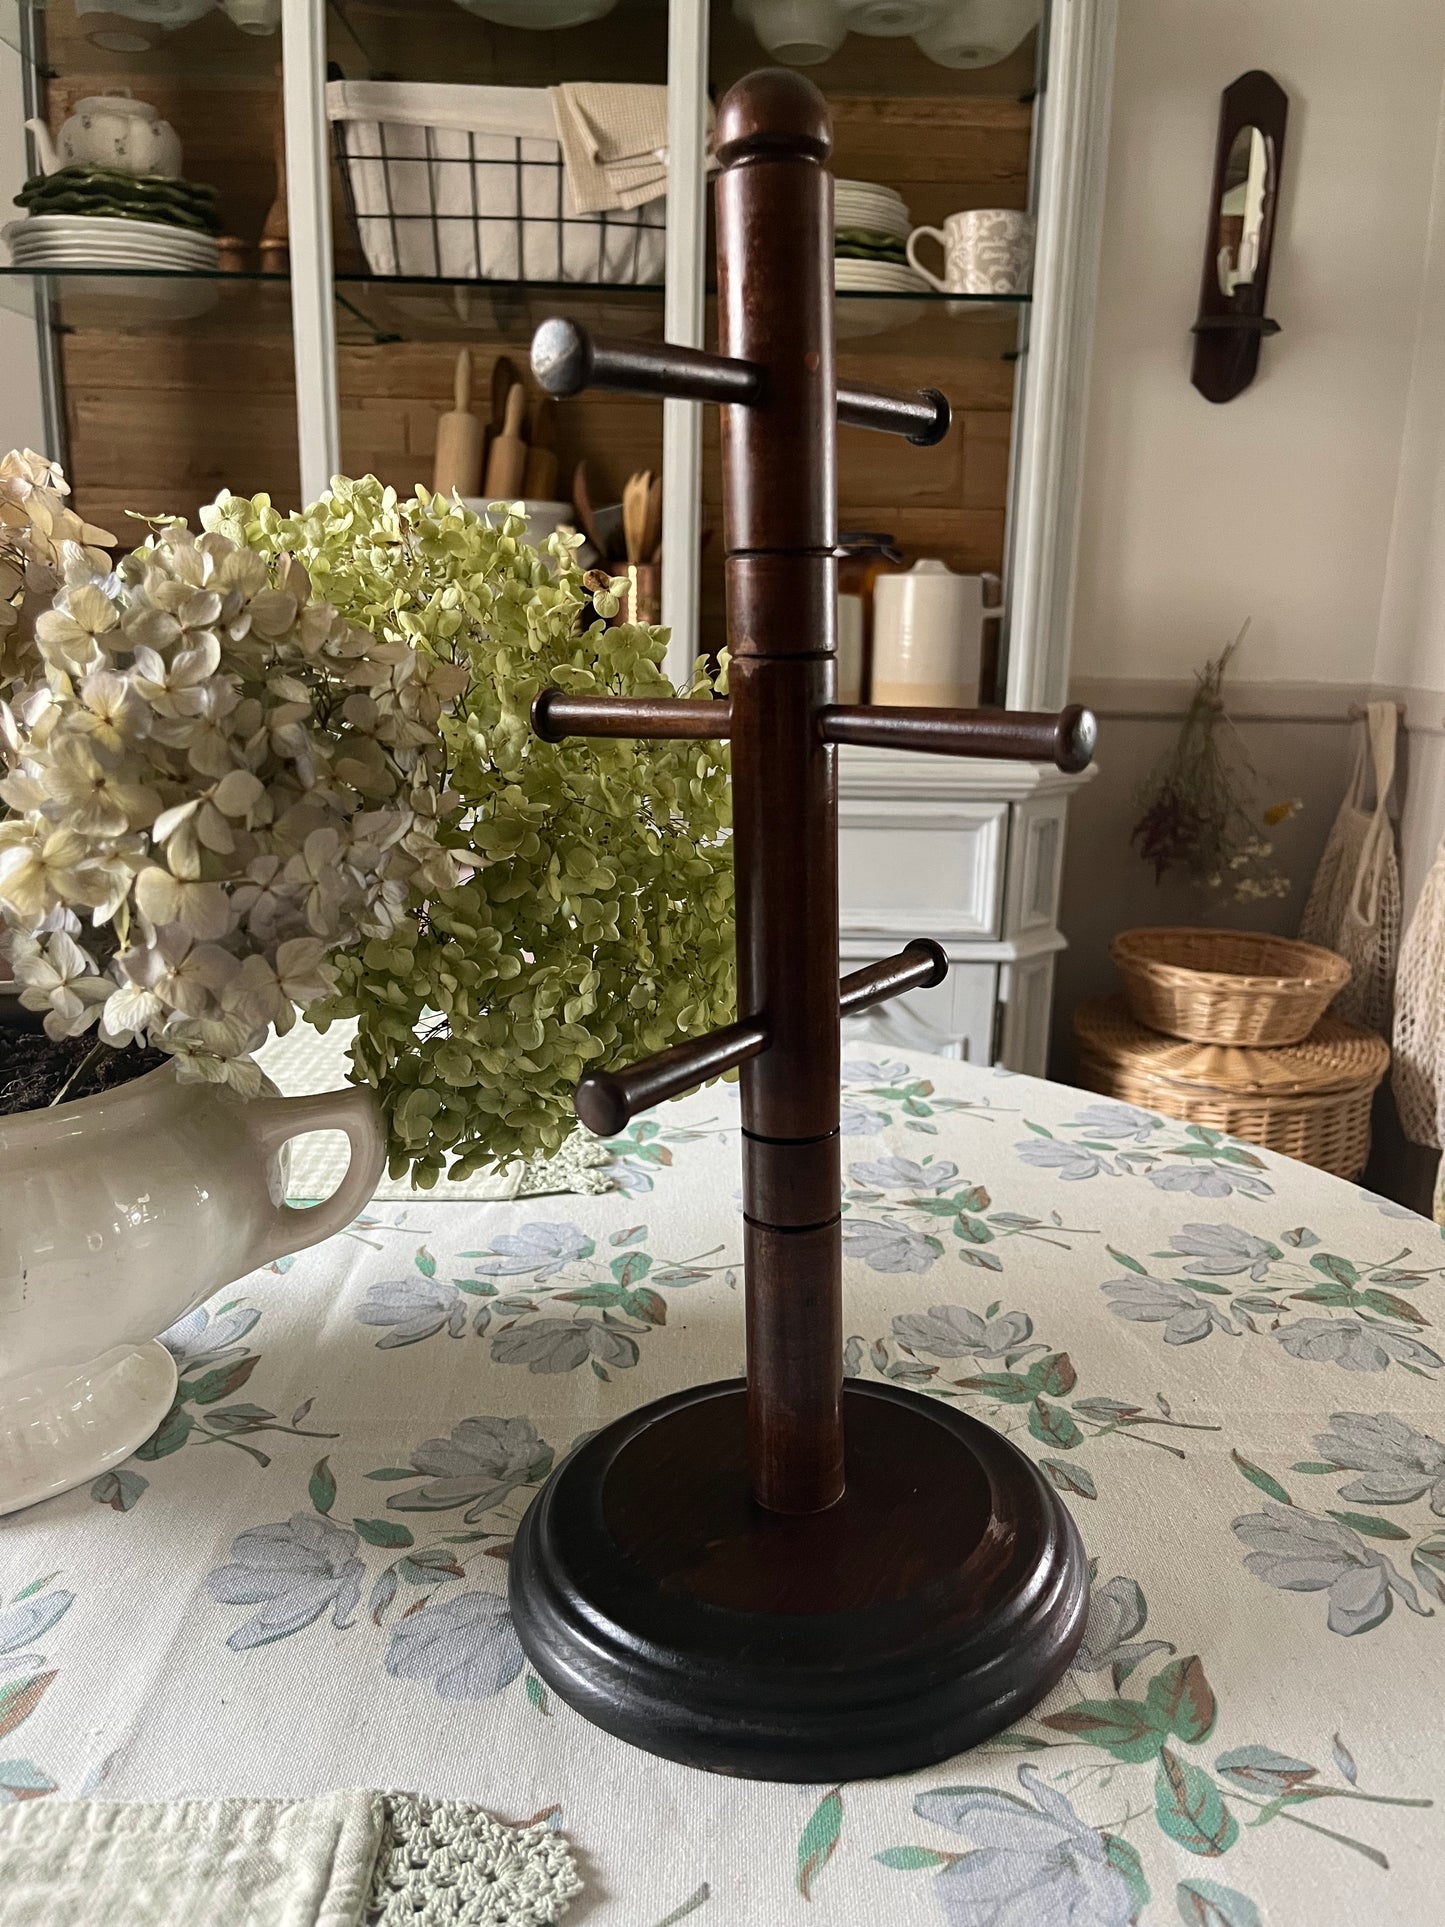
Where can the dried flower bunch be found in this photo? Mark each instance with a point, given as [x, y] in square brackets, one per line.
[592, 917]
[1196, 805]
[41, 539]
[214, 781]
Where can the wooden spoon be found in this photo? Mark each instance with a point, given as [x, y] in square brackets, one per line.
[652, 526]
[586, 517]
[634, 513]
[504, 379]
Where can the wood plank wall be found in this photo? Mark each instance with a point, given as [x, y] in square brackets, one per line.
[162, 417]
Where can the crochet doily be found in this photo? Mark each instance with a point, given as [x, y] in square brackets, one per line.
[444, 1863]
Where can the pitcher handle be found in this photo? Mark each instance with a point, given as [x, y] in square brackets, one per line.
[921, 234]
[272, 1121]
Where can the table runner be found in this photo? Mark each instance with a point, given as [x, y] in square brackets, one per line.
[1231, 1365]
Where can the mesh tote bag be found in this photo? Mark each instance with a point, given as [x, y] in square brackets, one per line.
[1354, 902]
[1419, 1074]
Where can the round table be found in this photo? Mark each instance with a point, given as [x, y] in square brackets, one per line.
[1229, 1364]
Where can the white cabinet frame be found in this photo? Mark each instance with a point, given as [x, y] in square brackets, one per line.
[1070, 160]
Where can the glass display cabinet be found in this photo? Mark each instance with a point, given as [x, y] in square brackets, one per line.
[368, 228]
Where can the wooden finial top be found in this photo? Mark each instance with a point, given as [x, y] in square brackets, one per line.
[772, 114]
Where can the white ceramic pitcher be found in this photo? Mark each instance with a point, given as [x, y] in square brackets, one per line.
[118, 1215]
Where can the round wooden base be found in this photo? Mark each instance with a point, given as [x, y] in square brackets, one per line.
[940, 1597]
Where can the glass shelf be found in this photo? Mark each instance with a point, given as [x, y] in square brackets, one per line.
[373, 310]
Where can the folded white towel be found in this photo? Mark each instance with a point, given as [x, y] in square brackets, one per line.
[614, 143]
[336, 1861]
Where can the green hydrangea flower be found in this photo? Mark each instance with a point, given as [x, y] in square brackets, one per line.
[594, 920]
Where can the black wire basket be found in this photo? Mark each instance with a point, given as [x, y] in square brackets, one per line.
[453, 204]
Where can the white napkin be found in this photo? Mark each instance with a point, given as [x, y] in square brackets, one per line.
[336, 1861]
[209, 1863]
[614, 143]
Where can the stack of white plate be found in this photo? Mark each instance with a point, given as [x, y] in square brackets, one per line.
[44, 241]
[864, 204]
[877, 277]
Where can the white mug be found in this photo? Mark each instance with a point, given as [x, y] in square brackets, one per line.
[986, 250]
[927, 638]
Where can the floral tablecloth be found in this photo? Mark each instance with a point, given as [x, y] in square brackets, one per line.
[1229, 1363]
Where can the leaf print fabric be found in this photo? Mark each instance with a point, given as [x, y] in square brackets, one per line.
[1185, 1316]
[295, 1571]
[1301, 1553]
[1033, 1863]
[1398, 1462]
[464, 1646]
[885, 1247]
[1353, 1346]
[1227, 1365]
[483, 1462]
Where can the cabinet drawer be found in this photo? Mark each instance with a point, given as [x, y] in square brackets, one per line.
[953, 1019]
[921, 869]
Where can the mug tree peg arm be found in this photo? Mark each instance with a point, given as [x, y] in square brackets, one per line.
[607, 1099]
[922, 415]
[556, 715]
[1065, 739]
[919, 965]
[566, 359]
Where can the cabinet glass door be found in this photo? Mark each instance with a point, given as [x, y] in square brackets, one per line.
[163, 337]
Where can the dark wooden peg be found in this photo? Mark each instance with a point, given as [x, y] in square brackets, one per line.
[1065, 739]
[556, 715]
[922, 415]
[919, 965]
[606, 1100]
[567, 358]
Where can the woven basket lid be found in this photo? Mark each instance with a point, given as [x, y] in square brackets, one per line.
[1336, 1056]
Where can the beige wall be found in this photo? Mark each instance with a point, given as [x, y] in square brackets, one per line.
[1277, 505]
[1313, 503]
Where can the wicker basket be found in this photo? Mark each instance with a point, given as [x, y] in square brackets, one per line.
[1309, 1100]
[1227, 986]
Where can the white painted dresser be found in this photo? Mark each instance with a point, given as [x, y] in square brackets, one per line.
[970, 853]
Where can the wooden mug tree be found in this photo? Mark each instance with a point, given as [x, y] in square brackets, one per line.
[790, 1576]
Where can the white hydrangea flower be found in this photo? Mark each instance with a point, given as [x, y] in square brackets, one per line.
[190, 746]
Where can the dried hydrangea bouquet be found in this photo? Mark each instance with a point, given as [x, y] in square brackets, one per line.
[286, 764]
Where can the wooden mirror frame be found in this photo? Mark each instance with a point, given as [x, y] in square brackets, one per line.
[1229, 327]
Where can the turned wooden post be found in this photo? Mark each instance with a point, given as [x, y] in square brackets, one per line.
[699, 1576]
[775, 201]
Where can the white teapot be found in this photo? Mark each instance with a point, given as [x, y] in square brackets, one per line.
[111, 130]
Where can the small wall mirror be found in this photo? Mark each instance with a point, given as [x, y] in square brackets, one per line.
[1241, 210]
[1232, 320]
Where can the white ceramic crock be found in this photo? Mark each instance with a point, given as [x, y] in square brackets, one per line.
[118, 1215]
[927, 637]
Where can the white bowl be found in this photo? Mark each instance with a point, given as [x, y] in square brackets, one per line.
[888, 19]
[800, 32]
[169, 14]
[254, 16]
[538, 13]
[981, 34]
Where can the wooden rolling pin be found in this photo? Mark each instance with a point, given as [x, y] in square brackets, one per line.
[539, 483]
[459, 438]
[507, 457]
